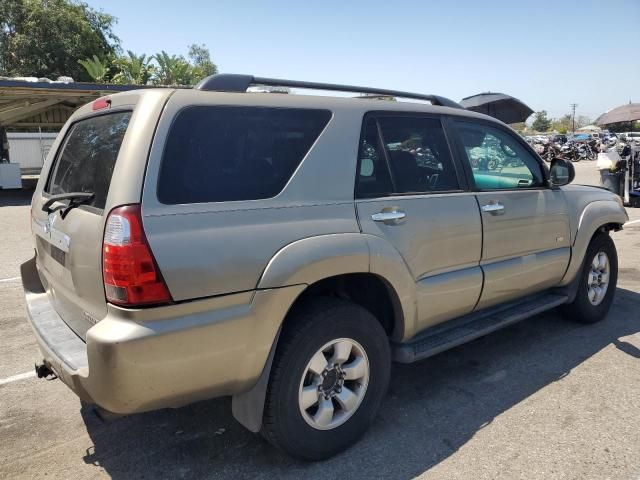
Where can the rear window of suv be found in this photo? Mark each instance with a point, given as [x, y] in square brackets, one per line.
[88, 155]
[220, 153]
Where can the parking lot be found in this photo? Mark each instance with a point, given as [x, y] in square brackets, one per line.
[542, 399]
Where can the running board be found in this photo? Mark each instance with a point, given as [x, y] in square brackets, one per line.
[474, 325]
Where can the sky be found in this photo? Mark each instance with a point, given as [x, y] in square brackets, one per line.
[549, 54]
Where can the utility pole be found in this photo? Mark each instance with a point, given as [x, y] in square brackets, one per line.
[573, 117]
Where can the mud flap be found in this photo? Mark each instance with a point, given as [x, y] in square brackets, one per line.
[248, 407]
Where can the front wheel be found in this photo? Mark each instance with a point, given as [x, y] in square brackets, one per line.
[329, 376]
[597, 282]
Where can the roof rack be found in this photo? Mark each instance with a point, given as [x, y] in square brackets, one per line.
[231, 82]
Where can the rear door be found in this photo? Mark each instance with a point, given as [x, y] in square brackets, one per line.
[69, 249]
[409, 192]
[525, 223]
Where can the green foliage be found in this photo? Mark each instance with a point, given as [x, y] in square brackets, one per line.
[173, 70]
[46, 38]
[96, 68]
[177, 70]
[541, 123]
[52, 38]
[133, 69]
[200, 58]
[562, 124]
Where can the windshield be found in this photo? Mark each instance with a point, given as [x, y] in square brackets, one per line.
[87, 157]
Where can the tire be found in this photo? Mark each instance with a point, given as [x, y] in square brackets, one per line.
[583, 309]
[286, 424]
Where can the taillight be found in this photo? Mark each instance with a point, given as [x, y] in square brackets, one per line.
[131, 275]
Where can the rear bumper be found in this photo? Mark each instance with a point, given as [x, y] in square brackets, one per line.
[137, 360]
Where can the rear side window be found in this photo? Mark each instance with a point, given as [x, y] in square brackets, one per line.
[412, 157]
[218, 153]
[87, 157]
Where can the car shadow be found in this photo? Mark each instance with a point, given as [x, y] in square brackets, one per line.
[15, 198]
[432, 409]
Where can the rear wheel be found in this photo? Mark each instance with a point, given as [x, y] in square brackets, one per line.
[597, 282]
[329, 376]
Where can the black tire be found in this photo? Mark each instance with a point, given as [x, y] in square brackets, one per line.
[581, 309]
[313, 325]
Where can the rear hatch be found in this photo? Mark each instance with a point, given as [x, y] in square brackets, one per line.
[69, 231]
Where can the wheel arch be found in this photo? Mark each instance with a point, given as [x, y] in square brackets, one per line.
[346, 265]
[339, 260]
[598, 216]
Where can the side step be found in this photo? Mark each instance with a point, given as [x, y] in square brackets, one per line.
[474, 325]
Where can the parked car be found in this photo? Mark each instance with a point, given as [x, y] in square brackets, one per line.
[632, 137]
[285, 249]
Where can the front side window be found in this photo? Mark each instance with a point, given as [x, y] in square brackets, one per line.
[497, 159]
[219, 153]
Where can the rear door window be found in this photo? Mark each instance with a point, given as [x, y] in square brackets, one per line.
[418, 155]
[219, 153]
[411, 157]
[88, 155]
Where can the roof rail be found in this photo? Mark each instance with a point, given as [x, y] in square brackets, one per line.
[231, 82]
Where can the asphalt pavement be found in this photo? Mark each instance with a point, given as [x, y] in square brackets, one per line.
[543, 399]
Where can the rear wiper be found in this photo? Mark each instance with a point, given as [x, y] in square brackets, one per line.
[75, 200]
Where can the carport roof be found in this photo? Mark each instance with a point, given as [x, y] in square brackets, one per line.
[24, 103]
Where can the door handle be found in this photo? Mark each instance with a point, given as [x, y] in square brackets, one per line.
[494, 208]
[388, 217]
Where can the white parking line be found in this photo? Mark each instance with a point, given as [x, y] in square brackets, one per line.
[634, 221]
[14, 279]
[17, 378]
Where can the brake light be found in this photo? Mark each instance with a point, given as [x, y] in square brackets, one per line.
[131, 275]
[101, 103]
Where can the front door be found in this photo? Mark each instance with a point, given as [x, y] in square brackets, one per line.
[526, 239]
[410, 193]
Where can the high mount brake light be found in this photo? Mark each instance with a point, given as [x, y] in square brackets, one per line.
[101, 103]
[131, 275]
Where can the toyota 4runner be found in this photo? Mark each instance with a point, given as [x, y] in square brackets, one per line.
[284, 249]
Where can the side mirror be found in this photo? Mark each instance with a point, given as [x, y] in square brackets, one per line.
[562, 172]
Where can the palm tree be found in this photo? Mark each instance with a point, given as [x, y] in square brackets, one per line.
[173, 70]
[133, 69]
[96, 68]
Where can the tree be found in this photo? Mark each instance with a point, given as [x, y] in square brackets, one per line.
[96, 68]
[177, 70]
[582, 121]
[46, 38]
[203, 66]
[541, 122]
[173, 70]
[563, 124]
[133, 69]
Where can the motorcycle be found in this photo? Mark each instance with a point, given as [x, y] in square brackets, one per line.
[569, 151]
[584, 151]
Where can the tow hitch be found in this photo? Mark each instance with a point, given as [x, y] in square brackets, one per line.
[42, 371]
